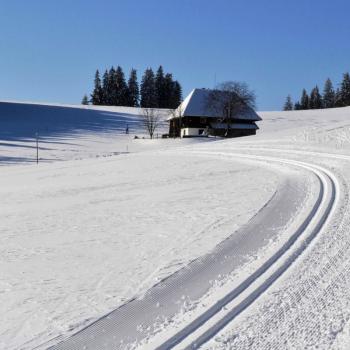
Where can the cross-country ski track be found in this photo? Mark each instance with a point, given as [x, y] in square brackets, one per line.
[119, 329]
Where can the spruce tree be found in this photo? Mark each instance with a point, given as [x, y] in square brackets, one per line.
[176, 95]
[328, 94]
[160, 88]
[133, 89]
[315, 101]
[338, 99]
[97, 94]
[112, 88]
[345, 90]
[168, 88]
[297, 106]
[120, 89]
[304, 101]
[288, 106]
[85, 100]
[105, 89]
[148, 90]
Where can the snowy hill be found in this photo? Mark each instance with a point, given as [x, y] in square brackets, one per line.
[311, 129]
[65, 130]
[23, 120]
[84, 237]
[293, 122]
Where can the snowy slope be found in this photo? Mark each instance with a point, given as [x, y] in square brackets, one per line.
[319, 129]
[82, 237]
[302, 301]
[79, 238]
[69, 132]
[308, 307]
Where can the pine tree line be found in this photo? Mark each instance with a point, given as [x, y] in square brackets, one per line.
[330, 98]
[158, 90]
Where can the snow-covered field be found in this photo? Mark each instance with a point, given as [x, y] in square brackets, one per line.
[71, 132]
[83, 236]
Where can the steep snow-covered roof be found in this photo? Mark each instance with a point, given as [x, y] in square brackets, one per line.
[195, 104]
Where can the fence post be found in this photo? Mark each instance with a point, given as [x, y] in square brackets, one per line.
[37, 147]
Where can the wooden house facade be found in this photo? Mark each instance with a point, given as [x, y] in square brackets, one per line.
[194, 118]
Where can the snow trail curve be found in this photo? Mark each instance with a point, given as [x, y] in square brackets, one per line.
[105, 331]
[323, 208]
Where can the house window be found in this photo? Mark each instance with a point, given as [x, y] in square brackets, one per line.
[202, 120]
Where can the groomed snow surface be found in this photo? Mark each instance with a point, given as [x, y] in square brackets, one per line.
[104, 217]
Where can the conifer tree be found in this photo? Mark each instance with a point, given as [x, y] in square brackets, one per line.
[168, 88]
[338, 99]
[345, 90]
[328, 94]
[160, 88]
[112, 88]
[288, 106]
[297, 106]
[176, 96]
[133, 89]
[148, 90]
[105, 89]
[304, 101]
[97, 94]
[315, 101]
[85, 100]
[120, 89]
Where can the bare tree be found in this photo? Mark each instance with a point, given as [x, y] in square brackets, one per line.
[230, 98]
[151, 120]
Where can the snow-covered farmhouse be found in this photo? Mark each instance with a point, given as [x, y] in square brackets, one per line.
[195, 117]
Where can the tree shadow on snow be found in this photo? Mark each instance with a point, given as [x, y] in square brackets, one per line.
[21, 122]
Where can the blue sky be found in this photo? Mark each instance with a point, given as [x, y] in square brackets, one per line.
[49, 50]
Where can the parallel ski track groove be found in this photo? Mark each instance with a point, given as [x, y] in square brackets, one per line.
[320, 173]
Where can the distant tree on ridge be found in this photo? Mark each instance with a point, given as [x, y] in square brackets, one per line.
[176, 95]
[304, 101]
[97, 94]
[160, 85]
[288, 105]
[148, 90]
[85, 100]
[297, 106]
[133, 89]
[106, 89]
[155, 91]
[121, 91]
[345, 90]
[328, 95]
[338, 99]
[315, 100]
